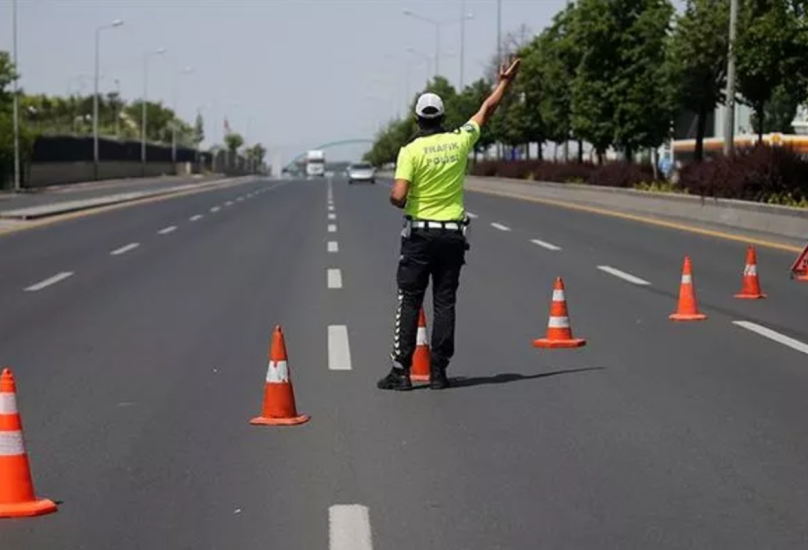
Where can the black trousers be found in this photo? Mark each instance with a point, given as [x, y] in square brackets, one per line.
[439, 254]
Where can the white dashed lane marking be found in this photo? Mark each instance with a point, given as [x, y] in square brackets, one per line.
[543, 244]
[333, 246]
[124, 249]
[195, 218]
[334, 278]
[772, 335]
[623, 275]
[339, 349]
[332, 216]
[50, 281]
[332, 228]
[349, 527]
[500, 226]
[215, 209]
[167, 230]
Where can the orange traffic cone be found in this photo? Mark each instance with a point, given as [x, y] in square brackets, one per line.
[750, 289]
[17, 498]
[559, 333]
[688, 309]
[279, 397]
[420, 359]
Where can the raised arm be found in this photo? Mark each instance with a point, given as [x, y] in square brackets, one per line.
[506, 77]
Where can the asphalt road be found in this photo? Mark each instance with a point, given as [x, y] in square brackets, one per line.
[139, 372]
[92, 190]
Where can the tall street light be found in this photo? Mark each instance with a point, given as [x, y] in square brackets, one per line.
[729, 114]
[96, 156]
[146, 58]
[16, 98]
[438, 25]
[186, 70]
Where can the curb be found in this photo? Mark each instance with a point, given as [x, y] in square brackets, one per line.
[55, 209]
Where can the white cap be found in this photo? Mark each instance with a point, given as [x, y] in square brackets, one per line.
[429, 105]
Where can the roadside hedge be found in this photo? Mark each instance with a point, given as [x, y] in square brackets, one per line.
[768, 174]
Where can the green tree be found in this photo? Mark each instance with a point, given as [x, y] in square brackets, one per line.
[642, 92]
[7, 76]
[199, 130]
[233, 141]
[556, 56]
[592, 98]
[770, 51]
[697, 61]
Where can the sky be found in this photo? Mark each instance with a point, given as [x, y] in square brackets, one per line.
[291, 74]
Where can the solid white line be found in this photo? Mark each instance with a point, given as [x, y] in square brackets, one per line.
[543, 244]
[332, 216]
[215, 209]
[500, 226]
[125, 249]
[332, 228]
[167, 230]
[339, 350]
[349, 527]
[772, 335]
[623, 275]
[334, 278]
[472, 215]
[333, 246]
[48, 282]
[194, 218]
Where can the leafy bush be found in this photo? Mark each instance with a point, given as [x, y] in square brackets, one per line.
[610, 175]
[621, 174]
[764, 174]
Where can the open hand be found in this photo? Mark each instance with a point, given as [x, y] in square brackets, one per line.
[508, 71]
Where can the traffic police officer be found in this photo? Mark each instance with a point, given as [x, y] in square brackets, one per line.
[429, 178]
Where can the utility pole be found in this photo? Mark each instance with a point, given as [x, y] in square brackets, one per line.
[462, 40]
[96, 156]
[729, 114]
[16, 99]
[499, 34]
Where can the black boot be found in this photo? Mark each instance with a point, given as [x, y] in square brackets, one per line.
[438, 379]
[398, 380]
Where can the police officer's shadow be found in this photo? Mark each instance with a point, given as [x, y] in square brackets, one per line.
[507, 378]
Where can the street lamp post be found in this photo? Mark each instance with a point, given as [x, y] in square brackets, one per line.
[499, 34]
[438, 24]
[96, 157]
[160, 51]
[186, 70]
[16, 114]
[729, 115]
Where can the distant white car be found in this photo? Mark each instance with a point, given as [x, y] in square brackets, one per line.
[361, 171]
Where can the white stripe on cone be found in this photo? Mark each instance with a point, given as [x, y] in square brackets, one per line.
[8, 403]
[278, 372]
[687, 279]
[750, 270]
[558, 295]
[11, 444]
[420, 338]
[559, 322]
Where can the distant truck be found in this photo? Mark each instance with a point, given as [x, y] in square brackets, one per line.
[315, 164]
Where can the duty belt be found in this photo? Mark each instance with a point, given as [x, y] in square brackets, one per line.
[426, 224]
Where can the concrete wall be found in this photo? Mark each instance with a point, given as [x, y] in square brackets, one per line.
[57, 173]
[776, 220]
